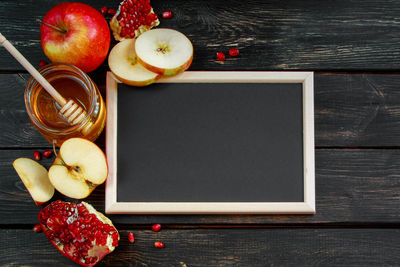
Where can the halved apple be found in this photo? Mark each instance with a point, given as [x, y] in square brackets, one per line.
[164, 51]
[124, 65]
[35, 178]
[80, 166]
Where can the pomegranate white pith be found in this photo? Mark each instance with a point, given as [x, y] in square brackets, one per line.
[78, 231]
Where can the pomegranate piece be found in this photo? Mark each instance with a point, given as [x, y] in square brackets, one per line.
[78, 231]
[42, 63]
[159, 244]
[47, 153]
[103, 10]
[233, 52]
[111, 11]
[132, 18]
[36, 155]
[221, 56]
[37, 228]
[167, 14]
[131, 237]
[156, 227]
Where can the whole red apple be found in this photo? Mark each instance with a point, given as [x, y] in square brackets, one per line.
[80, 35]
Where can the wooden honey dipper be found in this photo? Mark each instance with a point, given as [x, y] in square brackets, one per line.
[70, 110]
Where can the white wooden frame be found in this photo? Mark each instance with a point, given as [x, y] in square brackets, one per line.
[306, 207]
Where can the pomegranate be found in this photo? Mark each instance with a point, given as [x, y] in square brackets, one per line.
[78, 231]
[36, 155]
[156, 227]
[103, 10]
[132, 18]
[131, 237]
[47, 153]
[167, 14]
[158, 244]
[221, 56]
[233, 52]
[37, 228]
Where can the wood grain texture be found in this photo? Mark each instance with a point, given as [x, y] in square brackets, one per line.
[223, 247]
[351, 110]
[352, 187]
[271, 35]
[16, 127]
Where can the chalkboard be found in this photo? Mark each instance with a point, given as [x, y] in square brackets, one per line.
[212, 142]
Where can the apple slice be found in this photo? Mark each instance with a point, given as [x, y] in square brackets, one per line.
[80, 166]
[124, 65]
[164, 51]
[35, 178]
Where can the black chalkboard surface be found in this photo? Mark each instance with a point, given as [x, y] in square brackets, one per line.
[210, 143]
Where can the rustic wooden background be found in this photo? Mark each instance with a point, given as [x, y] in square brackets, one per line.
[354, 49]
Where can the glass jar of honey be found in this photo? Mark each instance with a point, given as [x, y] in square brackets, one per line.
[71, 83]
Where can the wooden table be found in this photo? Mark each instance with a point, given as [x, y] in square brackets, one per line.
[354, 49]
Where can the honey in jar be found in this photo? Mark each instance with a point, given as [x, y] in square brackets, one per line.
[73, 84]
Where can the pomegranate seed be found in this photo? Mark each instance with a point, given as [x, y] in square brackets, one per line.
[47, 153]
[65, 225]
[36, 155]
[233, 52]
[131, 237]
[42, 63]
[111, 11]
[167, 14]
[37, 228]
[221, 56]
[159, 244]
[103, 10]
[156, 227]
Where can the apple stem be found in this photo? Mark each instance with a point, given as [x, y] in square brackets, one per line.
[51, 26]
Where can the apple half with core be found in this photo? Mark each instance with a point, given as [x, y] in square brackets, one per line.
[124, 65]
[80, 166]
[35, 178]
[164, 51]
[77, 34]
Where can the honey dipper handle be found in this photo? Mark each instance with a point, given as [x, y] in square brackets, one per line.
[35, 74]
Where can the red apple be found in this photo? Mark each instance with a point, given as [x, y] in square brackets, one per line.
[77, 34]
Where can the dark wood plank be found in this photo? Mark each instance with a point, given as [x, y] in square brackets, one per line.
[356, 110]
[16, 127]
[353, 187]
[271, 35]
[223, 247]
[350, 110]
